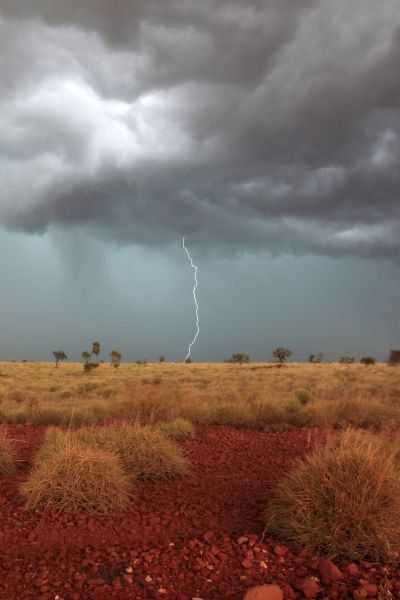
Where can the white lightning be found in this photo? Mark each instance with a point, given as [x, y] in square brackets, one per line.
[195, 299]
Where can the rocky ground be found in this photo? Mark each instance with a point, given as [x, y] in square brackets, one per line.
[198, 538]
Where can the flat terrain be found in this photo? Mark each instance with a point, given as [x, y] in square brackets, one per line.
[179, 540]
[255, 395]
[200, 536]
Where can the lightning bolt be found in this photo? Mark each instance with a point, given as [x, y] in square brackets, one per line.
[194, 296]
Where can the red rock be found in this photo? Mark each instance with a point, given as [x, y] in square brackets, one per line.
[359, 594]
[264, 592]
[242, 540]
[329, 571]
[371, 589]
[280, 550]
[96, 581]
[309, 587]
[353, 570]
[246, 563]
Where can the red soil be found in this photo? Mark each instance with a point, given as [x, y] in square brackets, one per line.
[179, 541]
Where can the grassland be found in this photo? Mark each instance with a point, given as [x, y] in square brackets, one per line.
[253, 396]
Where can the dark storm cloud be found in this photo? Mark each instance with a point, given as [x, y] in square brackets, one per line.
[244, 125]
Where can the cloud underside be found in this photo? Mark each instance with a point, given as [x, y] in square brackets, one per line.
[252, 125]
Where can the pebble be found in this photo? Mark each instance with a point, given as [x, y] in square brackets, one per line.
[264, 592]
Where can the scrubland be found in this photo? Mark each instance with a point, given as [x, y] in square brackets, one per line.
[258, 396]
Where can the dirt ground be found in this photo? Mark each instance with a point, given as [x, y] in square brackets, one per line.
[200, 537]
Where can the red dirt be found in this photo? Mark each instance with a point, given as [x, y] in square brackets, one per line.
[179, 540]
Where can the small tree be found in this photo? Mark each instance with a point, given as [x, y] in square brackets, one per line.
[115, 358]
[86, 355]
[239, 358]
[311, 358]
[346, 360]
[59, 355]
[368, 360]
[162, 358]
[188, 360]
[282, 354]
[96, 348]
[394, 357]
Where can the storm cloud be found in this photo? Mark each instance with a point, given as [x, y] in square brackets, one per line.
[268, 125]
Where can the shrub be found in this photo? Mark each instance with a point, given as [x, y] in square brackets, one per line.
[7, 455]
[239, 358]
[145, 453]
[394, 357]
[346, 360]
[368, 360]
[343, 500]
[282, 354]
[75, 477]
[178, 429]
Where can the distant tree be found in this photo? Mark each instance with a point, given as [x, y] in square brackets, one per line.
[320, 357]
[188, 360]
[239, 358]
[311, 358]
[346, 360]
[394, 357]
[115, 357]
[162, 358]
[368, 360]
[59, 355]
[282, 354]
[96, 348]
[86, 355]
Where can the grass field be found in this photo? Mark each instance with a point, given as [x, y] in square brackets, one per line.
[253, 395]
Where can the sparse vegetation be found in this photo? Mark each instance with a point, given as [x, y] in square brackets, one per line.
[346, 360]
[343, 500]
[162, 358]
[255, 396]
[59, 355]
[239, 358]
[115, 358]
[7, 455]
[282, 354]
[368, 360]
[71, 476]
[394, 357]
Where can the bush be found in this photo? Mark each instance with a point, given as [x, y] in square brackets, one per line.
[346, 360]
[178, 429]
[145, 453]
[368, 360]
[343, 500]
[75, 477]
[7, 456]
[394, 357]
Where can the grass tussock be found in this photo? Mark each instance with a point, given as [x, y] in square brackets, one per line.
[145, 453]
[343, 500]
[178, 429]
[8, 464]
[74, 477]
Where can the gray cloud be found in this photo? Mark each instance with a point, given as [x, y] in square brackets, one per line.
[270, 125]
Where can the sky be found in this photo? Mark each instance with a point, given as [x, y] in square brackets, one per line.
[266, 132]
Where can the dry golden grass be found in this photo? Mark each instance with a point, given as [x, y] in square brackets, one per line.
[145, 453]
[343, 500]
[74, 477]
[178, 429]
[254, 395]
[8, 464]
